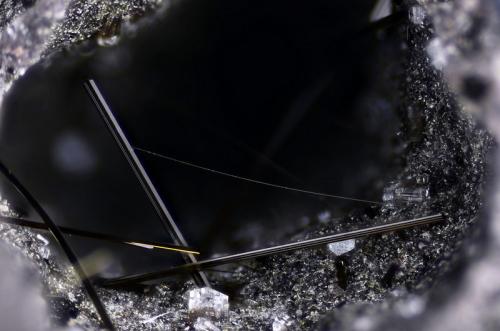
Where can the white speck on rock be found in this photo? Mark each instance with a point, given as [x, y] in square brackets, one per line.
[342, 247]
[417, 15]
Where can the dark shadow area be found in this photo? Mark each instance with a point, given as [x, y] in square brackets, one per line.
[279, 91]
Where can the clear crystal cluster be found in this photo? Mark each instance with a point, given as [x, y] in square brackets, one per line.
[411, 191]
[206, 301]
[6, 209]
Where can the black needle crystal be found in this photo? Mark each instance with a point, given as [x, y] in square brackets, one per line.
[210, 263]
[141, 175]
[61, 240]
[99, 236]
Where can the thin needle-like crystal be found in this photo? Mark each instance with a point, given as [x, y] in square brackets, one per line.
[255, 181]
[100, 236]
[310, 243]
[59, 236]
[140, 173]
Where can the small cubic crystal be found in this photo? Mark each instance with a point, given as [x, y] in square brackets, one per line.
[207, 302]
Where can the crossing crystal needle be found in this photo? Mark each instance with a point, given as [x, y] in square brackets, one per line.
[141, 175]
[100, 236]
[310, 243]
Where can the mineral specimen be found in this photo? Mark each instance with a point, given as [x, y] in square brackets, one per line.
[446, 144]
[342, 247]
[397, 194]
[417, 15]
[207, 302]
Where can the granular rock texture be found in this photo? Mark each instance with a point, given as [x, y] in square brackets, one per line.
[90, 18]
[30, 30]
[10, 9]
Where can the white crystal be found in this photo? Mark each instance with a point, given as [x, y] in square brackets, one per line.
[416, 194]
[4, 208]
[205, 302]
[422, 179]
[154, 318]
[203, 324]
[342, 247]
[282, 323]
[388, 196]
[397, 193]
[42, 239]
[417, 15]
[44, 252]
